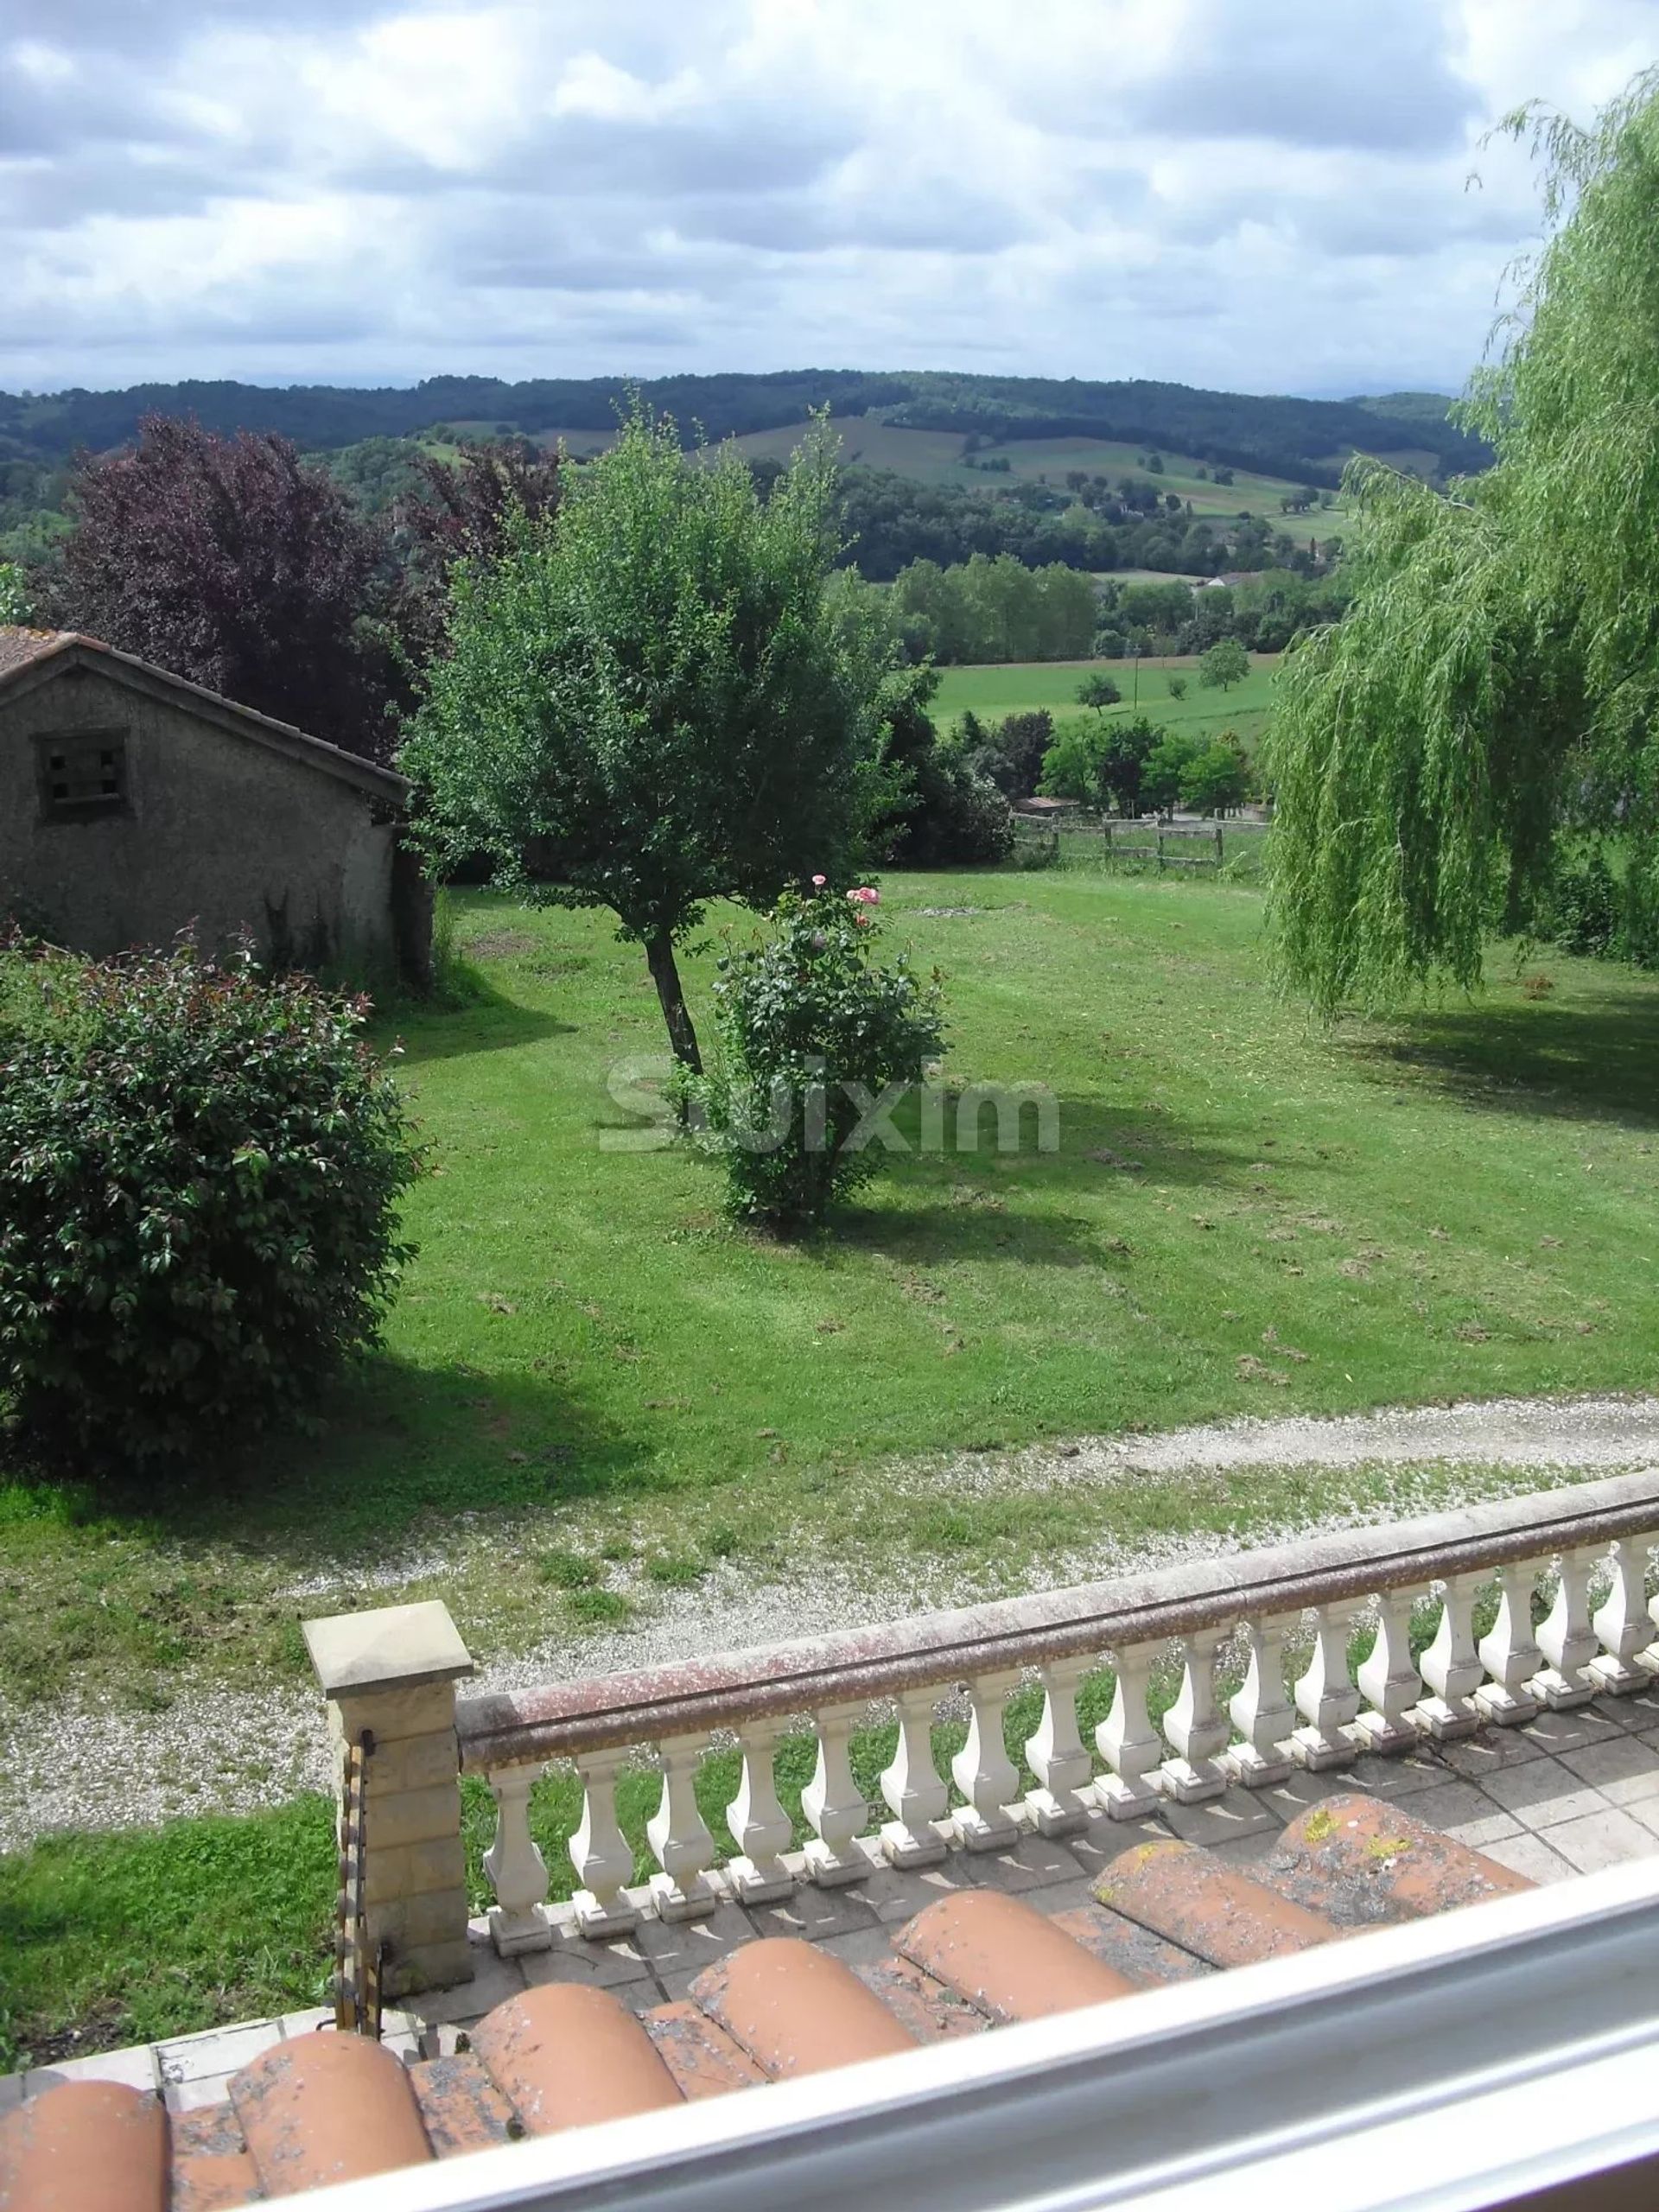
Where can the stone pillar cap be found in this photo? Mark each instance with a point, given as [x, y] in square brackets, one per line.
[390, 1647]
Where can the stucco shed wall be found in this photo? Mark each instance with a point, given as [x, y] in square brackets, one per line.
[221, 831]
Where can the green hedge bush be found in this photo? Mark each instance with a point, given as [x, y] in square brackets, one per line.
[199, 1172]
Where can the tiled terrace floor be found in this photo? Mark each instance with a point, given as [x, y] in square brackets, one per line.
[1566, 1792]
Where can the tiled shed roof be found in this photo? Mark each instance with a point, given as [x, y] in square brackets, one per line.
[20, 646]
[23, 651]
[309, 2108]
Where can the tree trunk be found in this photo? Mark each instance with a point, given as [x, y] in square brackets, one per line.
[659, 957]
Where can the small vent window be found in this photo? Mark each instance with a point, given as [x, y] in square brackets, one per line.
[83, 774]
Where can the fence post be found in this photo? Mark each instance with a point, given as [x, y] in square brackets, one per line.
[1160, 852]
[389, 1676]
[1218, 858]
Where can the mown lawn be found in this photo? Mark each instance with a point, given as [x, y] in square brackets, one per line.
[588, 1355]
[595, 1389]
[994, 688]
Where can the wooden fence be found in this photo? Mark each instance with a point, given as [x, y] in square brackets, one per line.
[1150, 845]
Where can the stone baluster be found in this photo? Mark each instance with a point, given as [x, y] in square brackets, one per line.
[983, 1772]
[1196, 1725]
[1451, 1667]
[679, 1835]
[516, 1870]
[1622, 1625]
[1566, 1639]
[913, 1788]
[1388, 1678]
[833, 1804]
[1056, 1753]
[1260, 1711]
[1509, 1650]
[760, 1828]
[1325, 1697]
[601, 1853]
[1125, 1738]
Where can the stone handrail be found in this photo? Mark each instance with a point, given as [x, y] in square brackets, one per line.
[1588, 1544]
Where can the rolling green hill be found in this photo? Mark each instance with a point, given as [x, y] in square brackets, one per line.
[1301, 439]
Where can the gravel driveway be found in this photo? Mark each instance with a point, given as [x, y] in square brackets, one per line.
[66, 1764]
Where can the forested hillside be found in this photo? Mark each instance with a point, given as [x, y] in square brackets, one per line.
[989, 454]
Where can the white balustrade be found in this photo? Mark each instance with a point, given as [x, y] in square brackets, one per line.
[1195, 1726]
[1451, 1667]
[1509, 1650]
[1056, 1754]
[1622, 1624]
[1566, 1639]
[1260, 1711]
[680, 1837]
[833, 1804]
[983, 1772]
[1125, 1738]
[601, 1853]
[760, 1828]
[516, 1870]
[913, 1789]
[1580, 1649]
[1388, 1679]
[1325, 1697]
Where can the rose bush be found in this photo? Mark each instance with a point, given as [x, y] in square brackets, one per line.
[812, 1033]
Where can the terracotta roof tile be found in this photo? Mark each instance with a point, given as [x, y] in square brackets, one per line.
[20, 646]
[318, 2106]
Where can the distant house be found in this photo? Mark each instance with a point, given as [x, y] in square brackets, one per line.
[134, 804]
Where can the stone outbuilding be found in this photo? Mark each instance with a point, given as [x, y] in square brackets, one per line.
[135, 805]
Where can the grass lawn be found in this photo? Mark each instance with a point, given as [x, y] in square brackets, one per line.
[993, 689]
[595, 1389]
[586, 1355]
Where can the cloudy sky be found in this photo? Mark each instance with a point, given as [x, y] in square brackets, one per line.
[1258, 194]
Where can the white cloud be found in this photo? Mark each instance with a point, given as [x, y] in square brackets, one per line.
[1273, 196]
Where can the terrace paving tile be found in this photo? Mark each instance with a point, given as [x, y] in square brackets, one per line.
[1222, 1819]
[1474, 1757]
[608, 1965]
[1453, 1804]
[1530, 1855]
[1542, 1793]
[1608, 1838]
[815, 1913]
[1572, 1731]
[1396, 1778]
[1624, 1769]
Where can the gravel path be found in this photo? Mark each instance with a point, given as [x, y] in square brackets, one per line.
[66, 1764]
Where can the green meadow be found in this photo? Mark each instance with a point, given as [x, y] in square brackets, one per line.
[996, 688]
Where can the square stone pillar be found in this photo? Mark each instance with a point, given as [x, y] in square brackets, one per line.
[391, 1674]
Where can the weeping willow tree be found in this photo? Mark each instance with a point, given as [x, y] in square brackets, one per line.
[1496, 681]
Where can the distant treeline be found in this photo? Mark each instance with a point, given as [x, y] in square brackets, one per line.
[1298, 438]
[995, 610]
[998, 610]
[892, 521]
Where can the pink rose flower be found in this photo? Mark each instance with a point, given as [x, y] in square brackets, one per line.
[819, 882]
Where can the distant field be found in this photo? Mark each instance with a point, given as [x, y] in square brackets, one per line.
[1017, 687]
[936, 457]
